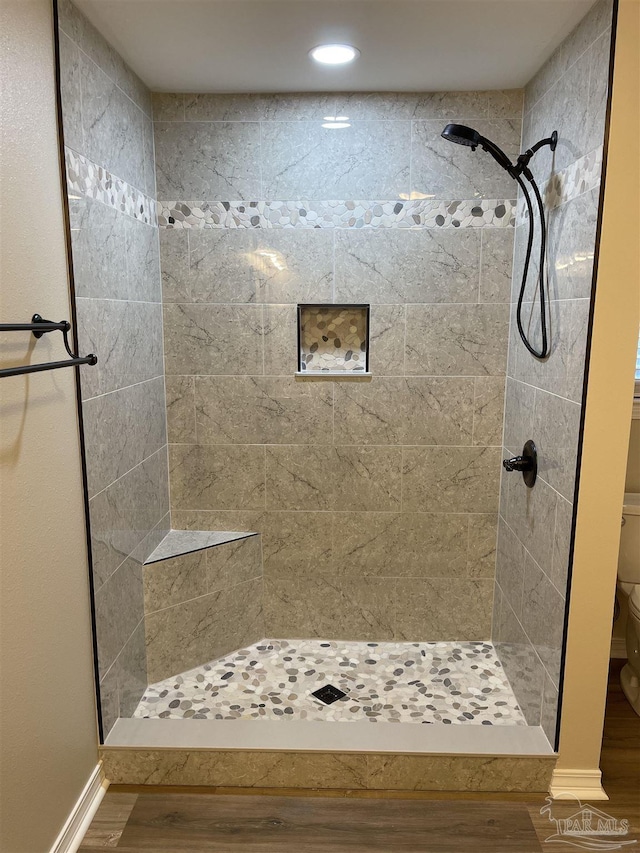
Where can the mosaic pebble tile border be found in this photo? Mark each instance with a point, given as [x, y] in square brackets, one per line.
[418, 213]
[88, 179]
[447, 682]
[578, 178]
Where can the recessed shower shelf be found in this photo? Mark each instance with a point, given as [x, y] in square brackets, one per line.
[333, 341]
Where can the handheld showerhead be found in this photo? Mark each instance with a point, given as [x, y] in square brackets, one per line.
[462, 135]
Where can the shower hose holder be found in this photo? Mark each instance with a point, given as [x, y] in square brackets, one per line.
[527, 463]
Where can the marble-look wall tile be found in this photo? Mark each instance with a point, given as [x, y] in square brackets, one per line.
[549, 719]
[174, 262]
[280, 340]
[110, 329]
[191, 575]
[298, 543]
[563, 372]
[488, 410]
[443, 170]
[250, 521]
[496, 265]
[367, 478]
[222, 266]
[396, 266]
[398, 544]
[510, 562]
[263, 410]
[325, 605]
[234, 563]
[531, 512]
[123, 515]
[398, 410]
[444, 609]
[325, 478]
[132, 672]
[119, 604]
[572, 234]
[112, 126]
[167, 106]
[594, 23]
[445, 479]
[181, 409]
[170, 582]
[70, 92]
[268, 266]
[214, 161]
[213, 339]
[519, 413]
[114, 256]
[98, 250]
[133, 86]
[143, 261]
[386, 339]
[556, 428]
[521, 663]
[559, 571]
[598, 90]
[481, 557]
[109, 700]
[304, 160]
[293, 266]
[458, 340]
[181, 637]
[543, 617]
[222, 477]
[86, 36]
[137, 412]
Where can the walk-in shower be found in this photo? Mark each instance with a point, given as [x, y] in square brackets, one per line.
[310, 367]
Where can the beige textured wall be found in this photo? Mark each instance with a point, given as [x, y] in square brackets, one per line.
[607, 419]
[48, 726]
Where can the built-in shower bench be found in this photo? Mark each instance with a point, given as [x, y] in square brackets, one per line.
[202, 598]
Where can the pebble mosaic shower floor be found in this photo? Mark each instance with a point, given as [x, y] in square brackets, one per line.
[384, 682]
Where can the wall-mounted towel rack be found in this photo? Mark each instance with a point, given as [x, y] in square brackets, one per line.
[39, 327]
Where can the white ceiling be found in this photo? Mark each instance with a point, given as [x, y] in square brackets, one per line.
[406, 45]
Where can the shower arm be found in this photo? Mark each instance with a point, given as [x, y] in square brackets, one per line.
[522, 164]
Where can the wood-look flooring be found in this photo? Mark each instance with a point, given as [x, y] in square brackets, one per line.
[188, 820]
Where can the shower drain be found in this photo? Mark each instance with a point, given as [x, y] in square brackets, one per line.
[329, 694]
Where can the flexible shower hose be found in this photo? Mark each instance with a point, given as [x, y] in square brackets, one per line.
[544, 351]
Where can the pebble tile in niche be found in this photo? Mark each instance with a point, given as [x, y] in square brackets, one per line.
[446, 682]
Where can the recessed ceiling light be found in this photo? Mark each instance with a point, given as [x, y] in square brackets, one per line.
[334, 54]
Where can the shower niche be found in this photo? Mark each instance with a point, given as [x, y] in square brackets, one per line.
[333, 340]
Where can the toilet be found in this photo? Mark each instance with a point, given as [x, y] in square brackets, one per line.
[629, 585]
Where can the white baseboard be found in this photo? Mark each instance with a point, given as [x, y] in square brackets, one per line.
[618, 647]
[82, 813]
[577, 784]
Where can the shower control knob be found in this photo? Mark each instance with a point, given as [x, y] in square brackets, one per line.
[527, 463]
[517, 463]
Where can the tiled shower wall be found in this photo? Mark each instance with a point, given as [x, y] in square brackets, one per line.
[543, 399]
[377, 500]
[110, 168]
